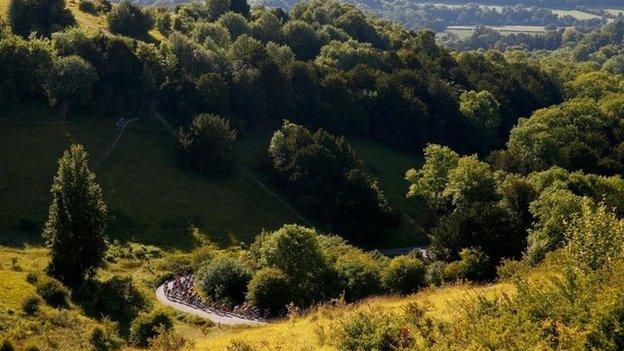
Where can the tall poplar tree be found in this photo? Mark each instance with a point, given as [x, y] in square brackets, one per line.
[76, 221]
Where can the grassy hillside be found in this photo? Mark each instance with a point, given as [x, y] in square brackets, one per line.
[68, 329]
[314, 331]
[150, 199]
[383, 164]
[89, 22]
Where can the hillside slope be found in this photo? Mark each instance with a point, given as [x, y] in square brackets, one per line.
[150, 198]
[312, 331]
[315, 331]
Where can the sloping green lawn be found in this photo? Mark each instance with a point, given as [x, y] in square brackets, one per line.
[150, 198]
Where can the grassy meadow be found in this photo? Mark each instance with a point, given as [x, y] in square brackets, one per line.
[315, 330]
[68, 329]
[150, 198]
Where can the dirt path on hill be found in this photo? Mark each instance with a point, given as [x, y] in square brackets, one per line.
[121, 127]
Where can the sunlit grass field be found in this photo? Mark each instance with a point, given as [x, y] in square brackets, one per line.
[314, 330]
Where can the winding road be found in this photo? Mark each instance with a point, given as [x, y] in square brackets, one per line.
[221, 318]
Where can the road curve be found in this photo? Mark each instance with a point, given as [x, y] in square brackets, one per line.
[221, 318]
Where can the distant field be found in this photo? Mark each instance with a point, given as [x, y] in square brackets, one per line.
[493, 7]
[503, 29]
[464, 32]
[580, 15]
[615, 12]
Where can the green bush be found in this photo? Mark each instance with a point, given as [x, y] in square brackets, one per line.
[87, 6]
[32, 278]
[295, 250]
[7, 346]
[606, 331]
[359, 276]
[177, 264]
[53, 292]
[435, 273]
[270, 290]
[43, 17]
[105, 338]
[404, 275]
[373, 330]
[31, 304]
[509, 269]
[224, 279]
[208, 144]
[133, 251]
[474, 265]
[119, 299]
[148, 325]
[130, 20]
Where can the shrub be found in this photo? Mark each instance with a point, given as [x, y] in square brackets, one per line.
[31, 304]
[129, 19]
[372, 330]
[474, 265]
[239, 345]
[270, 290]
[208, 144]
[119, 299]
[435, 273]
[32, 278]
[87, 6]
[224, 279]
[105, 337]
[295, 250]
[359, 276]
[510, 268]
[7, 346]
[404, 275]
[606, 331]
[133, 251]
[596, 237]
[167, 340]
[177, 264]
[53, 292]
[43, 17]
[148, 325]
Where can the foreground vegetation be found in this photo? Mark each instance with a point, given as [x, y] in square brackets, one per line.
[295, 115]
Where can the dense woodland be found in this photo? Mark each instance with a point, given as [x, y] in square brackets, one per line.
[523, 155]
